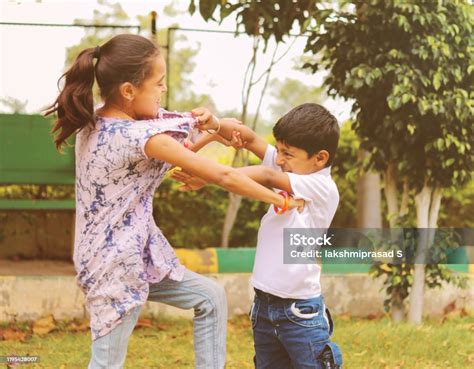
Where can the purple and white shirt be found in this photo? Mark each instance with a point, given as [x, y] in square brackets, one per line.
[118, 248]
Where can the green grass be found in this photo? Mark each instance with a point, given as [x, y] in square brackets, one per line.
[370, 344]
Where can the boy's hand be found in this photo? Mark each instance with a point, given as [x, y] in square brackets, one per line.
[206, 119]
[236, 141]
[191, 183]
[296, 203]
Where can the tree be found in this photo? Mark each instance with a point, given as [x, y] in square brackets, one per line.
[241, 158]
[291, 92]
[181, 97]
[13, 105]
[408, 67]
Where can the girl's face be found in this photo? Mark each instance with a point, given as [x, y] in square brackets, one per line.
[147, 97]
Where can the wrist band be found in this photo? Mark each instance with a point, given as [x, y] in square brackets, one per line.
[282, 210]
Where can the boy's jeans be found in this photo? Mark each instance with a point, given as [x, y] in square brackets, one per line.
[208, 300]
[290, 334]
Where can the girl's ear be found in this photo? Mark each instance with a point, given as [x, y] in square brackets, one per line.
[127, 91]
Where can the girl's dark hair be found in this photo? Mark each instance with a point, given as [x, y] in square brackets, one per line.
[124, 58]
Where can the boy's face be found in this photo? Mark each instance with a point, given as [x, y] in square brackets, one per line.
[295, 160]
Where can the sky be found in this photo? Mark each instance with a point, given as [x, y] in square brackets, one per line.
[32, 58]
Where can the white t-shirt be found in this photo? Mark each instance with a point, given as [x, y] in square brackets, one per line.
[270, 274]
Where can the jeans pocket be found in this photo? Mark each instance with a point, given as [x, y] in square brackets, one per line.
[253, 313]
[306, 314]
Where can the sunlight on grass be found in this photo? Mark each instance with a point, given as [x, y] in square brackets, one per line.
[365, 344]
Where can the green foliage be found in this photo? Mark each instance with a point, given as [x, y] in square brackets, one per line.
[107, 13]
[290, 93]
[344, 172]
[194, 219]
[13, 105]
[182, 98]
[409, 69]
[407, 66]
[458, 207]
[269, 18]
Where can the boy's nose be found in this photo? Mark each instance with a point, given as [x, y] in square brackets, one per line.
[279, 160]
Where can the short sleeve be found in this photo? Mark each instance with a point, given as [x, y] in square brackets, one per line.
[269, 160]
[140, 132]
[315, 188]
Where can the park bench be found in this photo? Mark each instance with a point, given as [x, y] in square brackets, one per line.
[28, 156]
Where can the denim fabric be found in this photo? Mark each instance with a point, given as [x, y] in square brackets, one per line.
[202, 294]
[288, 333]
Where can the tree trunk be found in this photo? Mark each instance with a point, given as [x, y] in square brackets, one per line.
[230, 216]
[391, 194]
[368, 198]
[397, 308]
[423, 201]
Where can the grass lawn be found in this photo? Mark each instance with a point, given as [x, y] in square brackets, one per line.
[367, 344]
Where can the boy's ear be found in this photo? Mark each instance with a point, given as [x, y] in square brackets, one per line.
[321, 158]
[127, 91]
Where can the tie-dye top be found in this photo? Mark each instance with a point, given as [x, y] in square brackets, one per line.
[118, 248]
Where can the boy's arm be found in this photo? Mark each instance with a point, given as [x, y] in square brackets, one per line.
[268, 177]
[227, 126]
[251, 140]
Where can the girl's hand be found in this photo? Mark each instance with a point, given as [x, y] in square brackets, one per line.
[296, 203]
[206, 119]
[191, 183]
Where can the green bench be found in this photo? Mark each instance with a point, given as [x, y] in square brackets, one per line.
[28, 156]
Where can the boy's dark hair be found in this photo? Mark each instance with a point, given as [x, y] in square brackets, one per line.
[309, 127]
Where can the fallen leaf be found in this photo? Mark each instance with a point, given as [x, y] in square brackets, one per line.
[162, 327]
[44, 325]
[144, 323]
[449, 308]
[79, 326]
[12, 334]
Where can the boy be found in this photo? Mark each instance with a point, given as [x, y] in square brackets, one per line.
[290, 323]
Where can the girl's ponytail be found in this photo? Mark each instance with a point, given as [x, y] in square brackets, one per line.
[75, 104]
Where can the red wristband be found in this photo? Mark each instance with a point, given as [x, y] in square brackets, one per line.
[282, 210]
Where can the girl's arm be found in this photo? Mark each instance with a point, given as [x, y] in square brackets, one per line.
[164, 147]
[202, 141]
[264, 175]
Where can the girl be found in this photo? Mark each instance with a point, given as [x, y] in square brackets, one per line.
[123, 151]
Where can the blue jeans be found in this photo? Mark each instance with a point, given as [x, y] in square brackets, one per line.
[288, 333]
[202, 294]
